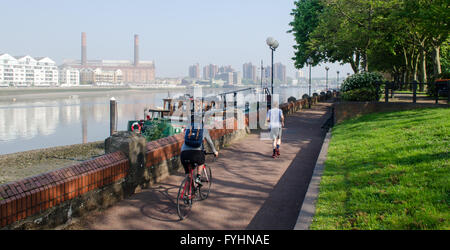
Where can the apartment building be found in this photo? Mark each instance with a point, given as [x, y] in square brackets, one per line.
[194, 71]
[101, 76]
[69, 77]
[249, 72]
[27, 71]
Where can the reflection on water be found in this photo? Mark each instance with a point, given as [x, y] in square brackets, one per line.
[72, 119]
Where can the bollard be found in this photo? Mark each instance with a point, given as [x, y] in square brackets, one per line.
[414, 89]
[257, 115]
[224, 106]
[112, 116]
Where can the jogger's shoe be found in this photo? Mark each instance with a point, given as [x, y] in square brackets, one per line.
[274, 155]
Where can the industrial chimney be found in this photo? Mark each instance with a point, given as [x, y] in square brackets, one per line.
[136, 50]
[83, 48]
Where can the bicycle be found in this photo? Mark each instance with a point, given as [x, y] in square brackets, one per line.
[190, 190]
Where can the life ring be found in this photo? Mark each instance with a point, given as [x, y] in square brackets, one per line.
[134, 124]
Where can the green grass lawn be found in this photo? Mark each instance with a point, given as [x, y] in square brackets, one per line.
[387, 171]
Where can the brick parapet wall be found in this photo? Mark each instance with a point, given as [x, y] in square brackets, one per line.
[30, 196]
[348, 110]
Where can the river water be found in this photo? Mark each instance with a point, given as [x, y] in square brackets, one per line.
[41, 121]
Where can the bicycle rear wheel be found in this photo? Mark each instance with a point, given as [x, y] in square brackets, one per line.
[184, 198]
[206, 178]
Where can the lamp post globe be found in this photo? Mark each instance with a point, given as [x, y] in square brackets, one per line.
[273, 45]
[270, 41]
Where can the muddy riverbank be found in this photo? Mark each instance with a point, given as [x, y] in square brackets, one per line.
[18, 166]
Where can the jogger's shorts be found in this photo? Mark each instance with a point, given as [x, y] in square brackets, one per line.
[275, 133]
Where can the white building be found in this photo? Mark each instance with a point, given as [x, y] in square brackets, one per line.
[69, 77]
[27, 71]
[100, 76]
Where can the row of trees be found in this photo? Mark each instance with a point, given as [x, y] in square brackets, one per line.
[407, 38]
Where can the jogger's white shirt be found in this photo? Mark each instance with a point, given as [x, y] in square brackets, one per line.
[274, 115]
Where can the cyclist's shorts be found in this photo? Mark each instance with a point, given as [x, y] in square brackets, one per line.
[189, 157]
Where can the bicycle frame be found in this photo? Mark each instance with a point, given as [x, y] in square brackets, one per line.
[191, 180]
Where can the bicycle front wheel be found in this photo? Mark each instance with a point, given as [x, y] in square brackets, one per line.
[184, 198]
[206, 179]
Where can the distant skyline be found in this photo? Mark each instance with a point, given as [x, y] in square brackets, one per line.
[175, 34]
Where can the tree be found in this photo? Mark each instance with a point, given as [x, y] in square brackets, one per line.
[396, 36]
[306, 18]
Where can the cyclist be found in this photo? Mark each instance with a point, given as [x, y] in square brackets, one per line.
[192, 150]
[276, 123]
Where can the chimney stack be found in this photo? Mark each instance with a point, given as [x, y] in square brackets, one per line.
[136, 50]
[83, 48]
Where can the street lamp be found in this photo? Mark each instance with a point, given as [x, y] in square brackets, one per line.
[337, 84]
[309, 61]
[273, 45]
[327, 68]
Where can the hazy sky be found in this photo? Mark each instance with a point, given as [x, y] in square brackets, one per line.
[173, 33]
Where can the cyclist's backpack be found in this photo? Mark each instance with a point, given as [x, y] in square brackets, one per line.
[194, 137]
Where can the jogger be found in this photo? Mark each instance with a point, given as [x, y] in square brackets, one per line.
[276, 123]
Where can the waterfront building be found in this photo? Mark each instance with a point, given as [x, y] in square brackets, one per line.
[210, 71]
[136, 72]
[69, 77]
[268, 72]
[100, 76]
[226, 69]
[194, 71]
[249, 72]
[27, 71]
[299, 74]
[237, 78]
[279, 72]
[227, 77]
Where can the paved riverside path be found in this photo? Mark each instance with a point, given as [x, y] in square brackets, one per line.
[250, 190]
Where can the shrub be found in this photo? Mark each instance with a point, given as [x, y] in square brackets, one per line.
[305, 96]
[362, 87]
[360, 95]
[292, 99]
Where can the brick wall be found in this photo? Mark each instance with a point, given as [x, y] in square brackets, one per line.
[348, 110]
[34, 195]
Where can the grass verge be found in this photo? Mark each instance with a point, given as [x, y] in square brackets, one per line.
[387, 171]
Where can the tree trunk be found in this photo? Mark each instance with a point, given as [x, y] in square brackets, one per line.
[365, 61]
[423, 79]
[354, 63]
[437, 61]
[406, 75]
[415, 66]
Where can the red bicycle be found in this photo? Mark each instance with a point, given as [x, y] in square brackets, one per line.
[191, 191]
